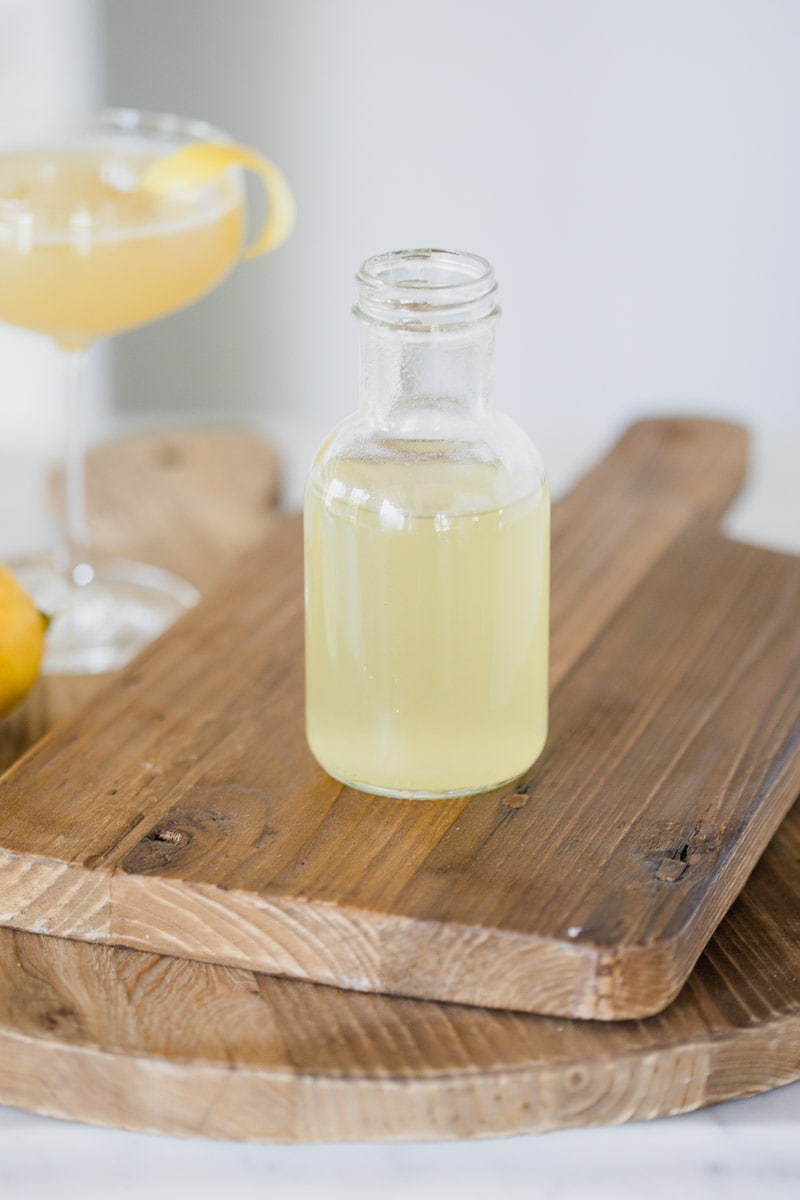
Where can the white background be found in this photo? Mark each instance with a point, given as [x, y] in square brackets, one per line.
[631, 169]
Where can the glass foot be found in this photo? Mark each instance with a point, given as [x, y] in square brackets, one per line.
[103, 614]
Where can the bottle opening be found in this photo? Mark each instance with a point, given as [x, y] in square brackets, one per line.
[424, 289]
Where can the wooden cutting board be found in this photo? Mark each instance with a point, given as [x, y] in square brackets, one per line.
[131, 1039]
[119, 1037]
[181, 811]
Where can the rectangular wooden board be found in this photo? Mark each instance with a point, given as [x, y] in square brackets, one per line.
[181, 811]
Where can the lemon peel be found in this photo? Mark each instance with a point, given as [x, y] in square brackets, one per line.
[22, 630]
[202, 162]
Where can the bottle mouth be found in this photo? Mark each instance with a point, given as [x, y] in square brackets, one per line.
[426, 289]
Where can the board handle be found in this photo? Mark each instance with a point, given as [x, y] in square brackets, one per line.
[662, 476]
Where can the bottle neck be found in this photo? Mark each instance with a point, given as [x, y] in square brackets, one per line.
[421, 382]
[427, 340]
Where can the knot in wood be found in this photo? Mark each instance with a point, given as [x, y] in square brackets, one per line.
[173, 837]
[671, 869]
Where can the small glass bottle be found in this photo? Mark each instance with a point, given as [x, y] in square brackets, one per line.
[427, 543]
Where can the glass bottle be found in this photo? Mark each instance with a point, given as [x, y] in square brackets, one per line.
[426, 550]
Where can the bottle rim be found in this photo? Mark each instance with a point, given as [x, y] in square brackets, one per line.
[422, 289]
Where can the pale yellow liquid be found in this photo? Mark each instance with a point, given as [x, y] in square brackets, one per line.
[85, 251]
[426, 635]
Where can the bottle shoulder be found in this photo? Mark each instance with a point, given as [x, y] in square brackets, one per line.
[490, 465]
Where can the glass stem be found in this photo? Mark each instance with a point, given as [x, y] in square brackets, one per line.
[74, 549]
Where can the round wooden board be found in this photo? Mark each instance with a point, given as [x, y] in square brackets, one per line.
[120, 1037]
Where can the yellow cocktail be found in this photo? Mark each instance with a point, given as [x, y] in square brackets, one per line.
[102, 254]
[114, 224]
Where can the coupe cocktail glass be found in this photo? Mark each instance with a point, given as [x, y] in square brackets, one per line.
[88, 248]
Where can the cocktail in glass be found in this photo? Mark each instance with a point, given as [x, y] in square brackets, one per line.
[115, 223]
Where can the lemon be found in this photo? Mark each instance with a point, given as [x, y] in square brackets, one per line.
[22, 629]
[201, 162]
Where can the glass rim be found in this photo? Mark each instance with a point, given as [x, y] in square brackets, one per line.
[39, 130]
[78, 128]
[130, 119]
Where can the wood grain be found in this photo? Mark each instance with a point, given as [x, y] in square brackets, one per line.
[200, 825]
[119, 1037]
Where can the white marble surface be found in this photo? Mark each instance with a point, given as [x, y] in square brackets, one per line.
[735, 1151]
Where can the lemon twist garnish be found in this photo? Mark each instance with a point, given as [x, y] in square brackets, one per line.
[22, 629]
[202, 162]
